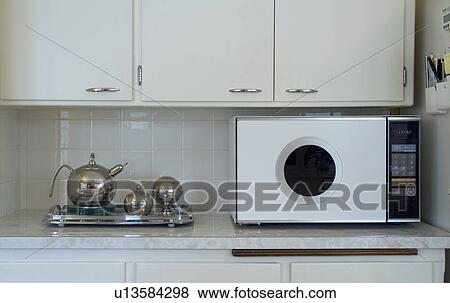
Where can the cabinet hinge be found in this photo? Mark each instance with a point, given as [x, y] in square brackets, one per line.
[139, 75]
[405, 77]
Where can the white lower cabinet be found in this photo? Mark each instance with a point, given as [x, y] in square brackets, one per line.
[208, 272]
[220, 266]
[62, 272]
[413, 272]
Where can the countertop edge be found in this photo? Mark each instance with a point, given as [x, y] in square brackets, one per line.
[222, 243]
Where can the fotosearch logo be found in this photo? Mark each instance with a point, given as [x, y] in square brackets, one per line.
[206, 197]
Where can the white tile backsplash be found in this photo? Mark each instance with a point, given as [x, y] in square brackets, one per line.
[38, 198]
[223, 114]
[42, 134]
[10, 165]
[75, 114]
[41, 163]
[197, 165]
[6, 113]
[221, 168]
[167, 114]
[23, 163]
[197, 135]
[22, 133]
[42, 114]
[75, 134]
[167, 135]
[137, 115]
[9, 193]
[106, 114]
[167, 163]
[10, 161]
[106, 134]
[137, 135]
[107, 157]
[196, 197]
[221, 135]
[74, 157]
[188, 144]
[8, 134]
[139, 165]
[197, 115]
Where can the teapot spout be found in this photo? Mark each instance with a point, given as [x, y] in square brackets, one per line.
[117, 169]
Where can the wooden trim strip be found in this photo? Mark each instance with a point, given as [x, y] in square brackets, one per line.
[323, 252]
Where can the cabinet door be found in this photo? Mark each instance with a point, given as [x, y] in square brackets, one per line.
[208, 273]
[362, 272]
[62, 272]
[199, 50]
[57, 49]
[347, 50]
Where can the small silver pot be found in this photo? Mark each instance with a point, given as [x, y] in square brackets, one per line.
[167, 192]
[167, 189]
[138, 202]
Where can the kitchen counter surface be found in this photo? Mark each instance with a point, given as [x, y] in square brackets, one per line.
[27, 230]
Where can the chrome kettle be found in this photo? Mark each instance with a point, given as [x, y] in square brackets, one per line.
[90, 184]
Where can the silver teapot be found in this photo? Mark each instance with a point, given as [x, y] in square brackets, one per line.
[90, 184]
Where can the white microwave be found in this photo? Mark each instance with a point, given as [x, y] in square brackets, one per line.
[326, 169]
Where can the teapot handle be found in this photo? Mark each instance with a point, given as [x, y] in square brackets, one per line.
[56, 175]
[117, 169]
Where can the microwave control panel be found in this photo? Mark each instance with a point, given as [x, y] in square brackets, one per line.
[404, 169]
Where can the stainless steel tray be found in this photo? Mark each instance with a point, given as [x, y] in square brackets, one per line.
[180, 216]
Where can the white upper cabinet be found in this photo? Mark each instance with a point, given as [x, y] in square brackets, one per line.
[207, 50]
[58, 49]
[346, 50]
[230, 53]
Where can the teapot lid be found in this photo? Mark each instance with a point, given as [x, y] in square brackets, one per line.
[92, 160]
[92, 165]
[98, 169]
[90, 171]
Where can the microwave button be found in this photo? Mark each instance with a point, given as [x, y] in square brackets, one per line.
[411, 190]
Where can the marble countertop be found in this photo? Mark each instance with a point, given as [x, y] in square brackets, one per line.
[28, 230]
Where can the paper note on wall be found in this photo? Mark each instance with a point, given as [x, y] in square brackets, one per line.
[447, 63]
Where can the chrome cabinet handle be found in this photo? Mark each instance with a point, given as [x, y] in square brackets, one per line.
[302, 91]
[103, 90]
[245, 90]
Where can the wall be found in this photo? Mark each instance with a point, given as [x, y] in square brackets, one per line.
[9, 161]
[436, 129]
[191, 144]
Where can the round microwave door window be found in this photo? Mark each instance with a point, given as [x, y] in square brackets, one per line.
[310, 170]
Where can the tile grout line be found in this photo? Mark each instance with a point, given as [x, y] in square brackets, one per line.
[27, 202]
[182, 149]
[121, 138]
[213, 141]
[152, 157]
[91, 148]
